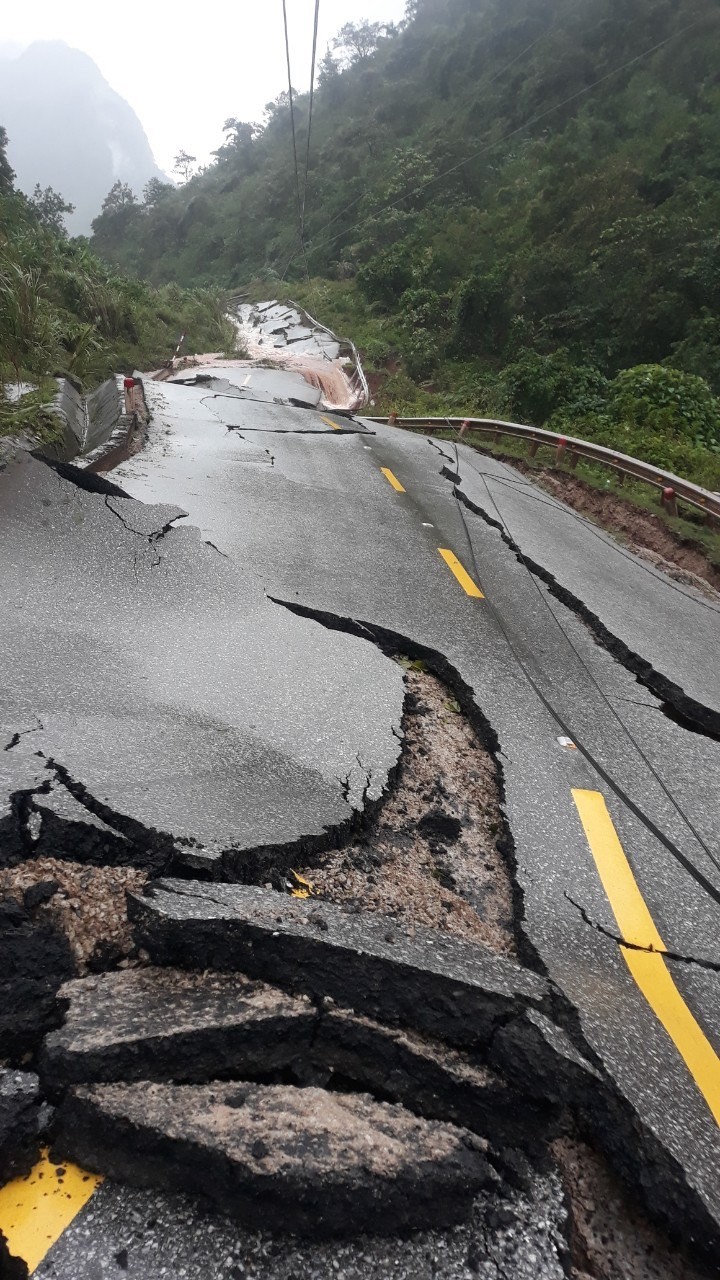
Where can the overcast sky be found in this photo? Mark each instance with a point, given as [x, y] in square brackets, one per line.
[186, 68]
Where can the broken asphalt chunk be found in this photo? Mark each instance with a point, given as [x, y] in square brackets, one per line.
[445, 986]
[296, 1161]
[36, 960]
[166, 1024]
[20, 1123]
[169, 1024]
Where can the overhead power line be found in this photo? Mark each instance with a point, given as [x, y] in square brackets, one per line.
[310, 116]
[294, 136]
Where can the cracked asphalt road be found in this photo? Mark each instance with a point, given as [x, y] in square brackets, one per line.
[186, 707]
[242, 687]
[323, 529]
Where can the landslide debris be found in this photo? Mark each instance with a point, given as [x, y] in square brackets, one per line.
[610, 1237]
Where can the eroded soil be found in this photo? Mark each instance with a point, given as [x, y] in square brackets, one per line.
[433, 856]
[86, 904]
[610, 1237]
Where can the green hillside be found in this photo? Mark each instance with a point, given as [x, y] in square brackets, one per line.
[508, 202]
[65, 311]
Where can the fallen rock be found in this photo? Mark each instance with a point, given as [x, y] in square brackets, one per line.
[447, 987]
[20, 1114]
[296, 1161]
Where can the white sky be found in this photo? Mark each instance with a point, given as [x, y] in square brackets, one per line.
[186, 68]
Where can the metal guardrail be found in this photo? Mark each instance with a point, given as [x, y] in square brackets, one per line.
[569, 448]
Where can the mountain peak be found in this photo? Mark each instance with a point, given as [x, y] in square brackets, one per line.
[75, 134]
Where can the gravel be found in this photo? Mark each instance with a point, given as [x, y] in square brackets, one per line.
[86, 904]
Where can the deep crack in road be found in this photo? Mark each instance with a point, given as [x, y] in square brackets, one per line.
[233, 717]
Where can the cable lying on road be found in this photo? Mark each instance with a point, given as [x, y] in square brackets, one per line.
[566, 729]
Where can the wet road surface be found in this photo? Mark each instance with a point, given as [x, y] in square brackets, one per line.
[314, 525]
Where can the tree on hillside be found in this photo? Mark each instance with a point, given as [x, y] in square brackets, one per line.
[240, 135]
[183, 164]
[155, 191]
[50, 207]
[119, 208]
[120, 196]
[357, 41]
[7, 175]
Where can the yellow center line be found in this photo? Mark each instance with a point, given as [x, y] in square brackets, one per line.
[648, 968]
[461, 574]
[36, 1209]
[329, 422]
[392, 479]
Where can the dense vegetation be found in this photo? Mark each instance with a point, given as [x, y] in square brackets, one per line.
[63, 310]
[508, 203]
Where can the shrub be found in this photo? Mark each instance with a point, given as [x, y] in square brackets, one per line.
[538, 386]
[667, 402]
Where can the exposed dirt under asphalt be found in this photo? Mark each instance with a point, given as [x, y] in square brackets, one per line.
[610, 1237]
[85, 903]
[432, 857]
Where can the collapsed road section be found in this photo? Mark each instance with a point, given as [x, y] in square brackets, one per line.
[302, 918]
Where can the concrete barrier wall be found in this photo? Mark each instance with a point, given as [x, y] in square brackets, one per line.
[92, 425]
[104, 408]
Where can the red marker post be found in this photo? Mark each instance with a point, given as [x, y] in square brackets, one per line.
[129, 388]
[669, 500]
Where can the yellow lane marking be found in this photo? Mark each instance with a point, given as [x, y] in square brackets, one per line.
[36, 1209]
[329, 422]
[648, 968]
[461, 574]
[393, 480]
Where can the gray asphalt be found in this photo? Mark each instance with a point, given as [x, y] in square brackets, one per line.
[168, 686]
[143, 1236]
[324, 529]
[675, 630]
[307, 517]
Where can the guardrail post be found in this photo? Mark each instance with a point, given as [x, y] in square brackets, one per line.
[669, 500]
[573, 458]
[534, 446]
[560, 451]
[129, 388]
[465, 427]
[393, 418]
